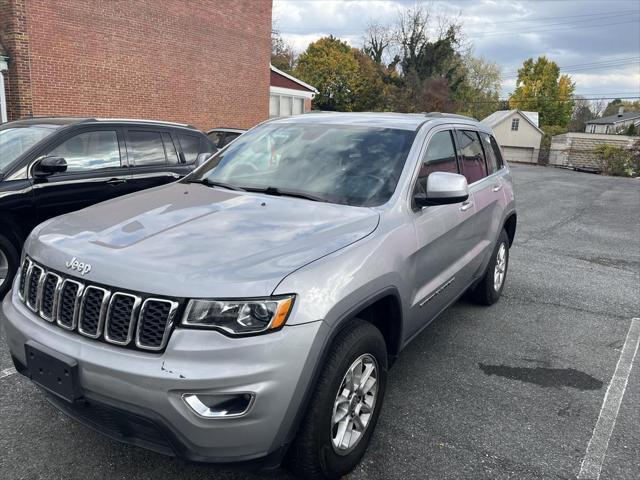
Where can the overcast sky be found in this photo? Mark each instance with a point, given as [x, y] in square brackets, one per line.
[597, 40]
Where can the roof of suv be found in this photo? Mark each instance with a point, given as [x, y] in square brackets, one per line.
[403, 121]
[65, 121]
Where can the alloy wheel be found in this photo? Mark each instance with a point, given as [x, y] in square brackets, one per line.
[501, 267]
[354, 404]
[4, 267]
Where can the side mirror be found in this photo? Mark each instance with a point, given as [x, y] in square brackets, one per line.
[48, 166]
[443, 188]
[203, 157]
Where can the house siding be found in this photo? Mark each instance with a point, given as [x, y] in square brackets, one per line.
[190, 62]
[525, 137]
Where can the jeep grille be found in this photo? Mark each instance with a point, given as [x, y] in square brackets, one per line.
[122, 318]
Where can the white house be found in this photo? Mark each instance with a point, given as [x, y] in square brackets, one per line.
[613, 123]
[288, 95]
[518, 134]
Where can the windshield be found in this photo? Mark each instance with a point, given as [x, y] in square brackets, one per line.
[14, 141]
[351, 165]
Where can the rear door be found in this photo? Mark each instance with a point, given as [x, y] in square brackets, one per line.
[445, 238]
[153, 157]
[485, 187]
[96, 171]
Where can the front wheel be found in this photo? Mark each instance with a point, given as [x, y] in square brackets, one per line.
[488, 291]
[345, 406]
[9, 259]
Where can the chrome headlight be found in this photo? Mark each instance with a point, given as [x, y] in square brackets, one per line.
[239, 317]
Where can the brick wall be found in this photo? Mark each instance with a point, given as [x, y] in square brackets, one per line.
[577, 149]
[15, 39]
[201, 62]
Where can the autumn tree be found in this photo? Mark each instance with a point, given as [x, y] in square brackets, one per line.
[329, 65]
[282, 54]
[377, 40]
[541, 88]
[582, 113]
[479, 95]
[614, 106]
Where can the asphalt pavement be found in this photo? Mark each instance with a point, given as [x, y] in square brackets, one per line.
[509, 391]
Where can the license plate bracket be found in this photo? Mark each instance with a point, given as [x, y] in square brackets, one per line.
[53, 371]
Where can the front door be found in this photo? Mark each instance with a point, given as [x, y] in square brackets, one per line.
[443, 259]
[95, 172]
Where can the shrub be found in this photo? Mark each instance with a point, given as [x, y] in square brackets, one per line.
[616, 161]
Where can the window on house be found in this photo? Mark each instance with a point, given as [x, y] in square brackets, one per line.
[515, 123]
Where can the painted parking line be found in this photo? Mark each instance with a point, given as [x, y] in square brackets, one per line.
[599, 443]
[7, 372]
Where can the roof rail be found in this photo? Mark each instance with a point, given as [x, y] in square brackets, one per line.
[448, 115]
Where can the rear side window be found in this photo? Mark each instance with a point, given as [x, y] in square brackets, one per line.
[492, 161]
[146, 148]
[190, 146]
[439, 157]
[472, 164]
[170, 149]
[217, 138]
[496, 152]
[89, 151]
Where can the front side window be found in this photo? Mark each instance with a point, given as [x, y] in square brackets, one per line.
[439, 157]
[89, 151]
[352, 165]
[14, 141]
[515, 123]
[217, 138]
[472, 164]
[145, 148]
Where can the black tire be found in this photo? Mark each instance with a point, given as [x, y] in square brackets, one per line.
[9, 252]
[485, 293]
[312, 454]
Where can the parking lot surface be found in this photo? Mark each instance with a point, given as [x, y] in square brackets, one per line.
[509, 391]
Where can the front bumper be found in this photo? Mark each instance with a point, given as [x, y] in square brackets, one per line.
[147, 387]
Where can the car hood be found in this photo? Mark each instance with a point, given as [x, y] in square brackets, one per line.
[190, 240]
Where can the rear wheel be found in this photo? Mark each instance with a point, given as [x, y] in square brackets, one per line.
[345, 406]
[488, 291]
[9, 259]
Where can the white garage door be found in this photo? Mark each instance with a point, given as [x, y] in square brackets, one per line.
[519, 154]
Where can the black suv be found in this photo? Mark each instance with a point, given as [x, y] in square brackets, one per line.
[51, 166]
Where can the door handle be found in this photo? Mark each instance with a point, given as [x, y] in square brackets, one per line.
[497, 188]
[116, 181]
[466, 206]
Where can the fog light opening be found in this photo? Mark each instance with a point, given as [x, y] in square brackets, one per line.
[219, 405]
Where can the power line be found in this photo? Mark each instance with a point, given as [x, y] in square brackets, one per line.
[551, 100]
[595, 66]
[568, 27]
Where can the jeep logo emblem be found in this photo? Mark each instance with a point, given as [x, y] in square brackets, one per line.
[81, 267]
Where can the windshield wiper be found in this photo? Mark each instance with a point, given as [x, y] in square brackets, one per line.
[211, 183]
[279, 192]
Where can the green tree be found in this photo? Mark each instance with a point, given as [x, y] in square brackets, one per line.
[329, 65]
[479, 95]
[370, 89]
[582, 113]
[541, 88]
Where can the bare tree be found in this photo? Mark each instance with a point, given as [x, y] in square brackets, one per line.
[377, 39]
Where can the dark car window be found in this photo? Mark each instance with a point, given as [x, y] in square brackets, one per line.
[14, 141]
[439, 157]
[89, 151]
[472, 163]
[170, 149]
[230, 137]
[190, 146]
[496, 152]
[217, 138]
[145, 148]
[492, 160]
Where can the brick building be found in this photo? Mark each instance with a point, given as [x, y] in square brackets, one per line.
[201, 62]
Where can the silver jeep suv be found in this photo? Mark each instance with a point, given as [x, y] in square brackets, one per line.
[250, 312]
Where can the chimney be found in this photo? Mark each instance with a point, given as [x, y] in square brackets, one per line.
[620, 111]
